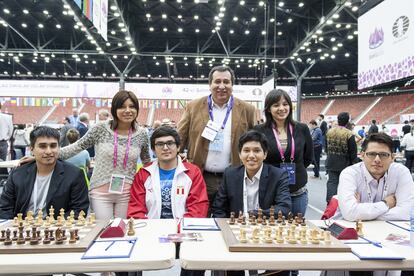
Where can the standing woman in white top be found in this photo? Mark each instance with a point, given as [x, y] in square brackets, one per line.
[408, 143]
[118, 144]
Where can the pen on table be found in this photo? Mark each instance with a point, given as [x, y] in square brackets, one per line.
[377, 244]
[109, 245]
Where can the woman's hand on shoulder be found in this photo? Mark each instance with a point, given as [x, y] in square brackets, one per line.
[26, 159]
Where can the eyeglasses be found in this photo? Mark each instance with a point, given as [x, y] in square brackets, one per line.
[169, 144]
[373, 155]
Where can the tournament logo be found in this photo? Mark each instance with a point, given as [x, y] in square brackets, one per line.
[376, 38]
[400, 26]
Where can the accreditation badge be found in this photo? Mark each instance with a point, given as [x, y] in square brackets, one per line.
[290, 168]
[210, 131]
[218, 143]
[116, 186]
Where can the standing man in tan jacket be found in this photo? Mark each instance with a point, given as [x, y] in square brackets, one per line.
[212, 125]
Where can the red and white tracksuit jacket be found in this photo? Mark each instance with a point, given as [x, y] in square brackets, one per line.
[188, 192]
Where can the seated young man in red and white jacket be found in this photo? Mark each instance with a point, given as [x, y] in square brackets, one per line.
[168, 187]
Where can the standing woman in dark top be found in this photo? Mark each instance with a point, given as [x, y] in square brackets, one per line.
[290, 145]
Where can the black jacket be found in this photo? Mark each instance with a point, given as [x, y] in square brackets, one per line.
[303, 151]
[67, 190]
[273, 191]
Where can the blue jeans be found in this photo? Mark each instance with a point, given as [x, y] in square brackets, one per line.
[300, 203]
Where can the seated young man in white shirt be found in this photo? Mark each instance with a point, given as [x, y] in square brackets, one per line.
[377, 188]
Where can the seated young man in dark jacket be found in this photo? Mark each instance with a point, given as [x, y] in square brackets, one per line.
[254, 184]
[44, 183]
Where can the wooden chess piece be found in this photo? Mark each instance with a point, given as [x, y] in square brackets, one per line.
[290, 218]
[51, 215]
[3, 235]
[272, 211]
[272, 221]
[29, 217]
[47, 222]
[34, 240]
[232, 218]
[69, 222]
[51, 236]
[255, 234]
[259, 216]
[92, 218]
[131, 230]
[62, 213]
[39, 218]
[279, 235]
[20, 239]
[314, 236]
[20, 217]
[72, 238]
[59, 221]
[264, 222]
[302, 235]
[64, 234]
[14, 235]
[279, 217]
[8, 240]
[327, 237]
[268, 235]
[15, 222]
[27, 238]
[46, 239]
[242, 236]
[359, 227]
[240, 218]
[76, 233]
[253, 221]
[243, 222]
[58, 236]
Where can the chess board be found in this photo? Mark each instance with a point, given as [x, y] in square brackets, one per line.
[86, 233]
[231, 235]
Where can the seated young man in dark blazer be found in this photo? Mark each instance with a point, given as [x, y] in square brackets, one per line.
[44, 183]
[254, 184]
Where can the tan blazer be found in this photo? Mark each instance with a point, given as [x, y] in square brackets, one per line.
[194, 120]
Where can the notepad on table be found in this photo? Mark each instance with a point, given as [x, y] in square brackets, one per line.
[369, 251]
[199, 224]
[102, 249]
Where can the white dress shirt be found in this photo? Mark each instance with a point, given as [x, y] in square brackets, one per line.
[218, 161]
[6, 127]
[251, 192]
[356, 179]
[408, 142]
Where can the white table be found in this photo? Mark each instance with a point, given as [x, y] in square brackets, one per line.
[212, 253]
[148, 254]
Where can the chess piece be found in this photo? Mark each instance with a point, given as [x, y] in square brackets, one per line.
[259, 216]
[327, 237]
[51, 215]
[290, 218]
[47, 222]
[51, 236]
[279, 235]
[3, 235]
[69, 222]
[131, 230]
[264, 222]
[64, 234]
[15, 222]
[359, 227]
[253, 221]
[92, 218]
[8, 240]
[76, 233]
[81, 218]
[72, 238]
[14, 235]
[314, 236]
[59, 221]
[20, 217]
[20, 239]
[272, 211]
[232, 218]
[46, 239]
[268, 235]
[299, 219]
[34, 239]
[255, 234]
[58, 236]
[272, 220]
[302, 235]
[240, 218]
[62, 213]
[29, 217]
[243, 222]
[242, 236]
[39, 218]
[27, 238]
[279, 217]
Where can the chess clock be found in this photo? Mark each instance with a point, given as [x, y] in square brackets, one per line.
[342, 233]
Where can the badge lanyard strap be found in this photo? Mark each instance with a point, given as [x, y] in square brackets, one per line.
[229, 108]
[279, 145]
[126, 150]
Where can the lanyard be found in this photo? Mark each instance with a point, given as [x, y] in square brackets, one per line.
[126, 150]
[210, 110]
[279, 145]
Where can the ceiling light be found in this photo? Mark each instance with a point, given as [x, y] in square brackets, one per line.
[151, 29]
[333, 39]
[350, 37]
[165, 29]
[340, 45]
[334, 48]
[164, 16]
[253, 19]
[246, 32]
[196, 17]
[338, 26]
[289, 20]
[113, 7]
[179, 1]
[113, 32]
[263, 32]
[58, 26]
[279, 33]
[40, 25]
[196, 1]
[235, 18]
[272, 20]
[24, 25]
[179, 16]
[123, 30]
[162, 1]
[332, 56]
[116, 14]
[329, 22]
[231, 31]
[261, 3]
[120, 24]
[46, 12]
[242, 3]
[180, 30]
[348, 26]
[25, 11]
[197, 30]
[347, 55]
[7, 11]
[354, 8]
[281, 4]
[301, 4]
